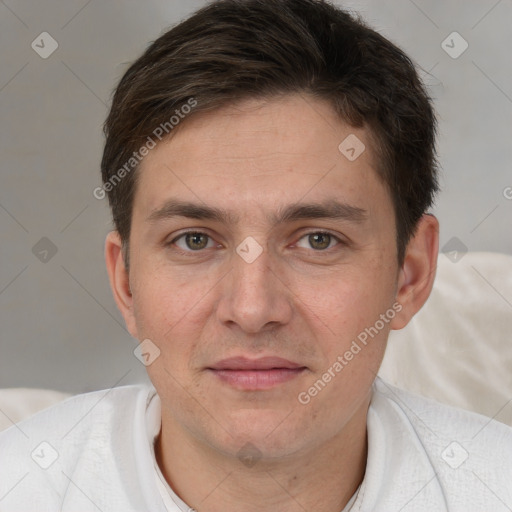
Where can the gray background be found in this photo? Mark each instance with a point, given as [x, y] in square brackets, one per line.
[60, 327]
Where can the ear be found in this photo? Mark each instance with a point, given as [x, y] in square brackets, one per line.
[120, 280]
[416, 277]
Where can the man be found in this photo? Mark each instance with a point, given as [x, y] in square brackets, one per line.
[269, 165]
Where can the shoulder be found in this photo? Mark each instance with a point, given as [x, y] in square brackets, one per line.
[80, 413]
[433, 419]
[470, 454]
[84, 434]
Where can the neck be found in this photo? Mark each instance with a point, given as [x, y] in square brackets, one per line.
[323, 478]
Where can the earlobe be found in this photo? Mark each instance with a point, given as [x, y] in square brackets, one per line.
[119, 279]
[416, 277]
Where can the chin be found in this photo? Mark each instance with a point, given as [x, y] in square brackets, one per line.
[261, 431]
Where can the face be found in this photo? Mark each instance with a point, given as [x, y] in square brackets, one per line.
[259, 253]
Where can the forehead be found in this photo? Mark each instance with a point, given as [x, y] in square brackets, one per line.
[264, 155]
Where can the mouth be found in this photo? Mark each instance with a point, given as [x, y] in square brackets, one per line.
[256, 374]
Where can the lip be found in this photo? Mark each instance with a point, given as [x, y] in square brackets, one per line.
[256, 374]
[262, 363]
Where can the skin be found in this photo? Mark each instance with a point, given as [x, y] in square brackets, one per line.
[302, 299]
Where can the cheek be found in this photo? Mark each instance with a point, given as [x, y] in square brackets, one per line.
[345, 311]
[345, 301]
[163, 305]
[166, 315]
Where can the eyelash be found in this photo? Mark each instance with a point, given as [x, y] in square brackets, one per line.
[191, 252]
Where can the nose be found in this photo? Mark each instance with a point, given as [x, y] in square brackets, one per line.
[254, 296]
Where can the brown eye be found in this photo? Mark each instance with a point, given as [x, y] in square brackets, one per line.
[194, 241]
[319, 241]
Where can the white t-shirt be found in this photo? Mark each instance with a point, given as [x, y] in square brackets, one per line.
[95, 452]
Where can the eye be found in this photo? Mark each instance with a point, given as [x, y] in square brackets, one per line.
[193, 241]
[319, 240]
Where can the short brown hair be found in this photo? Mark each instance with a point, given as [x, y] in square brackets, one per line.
[233, 50]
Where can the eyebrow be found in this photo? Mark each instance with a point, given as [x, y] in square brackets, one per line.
[329, 209]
